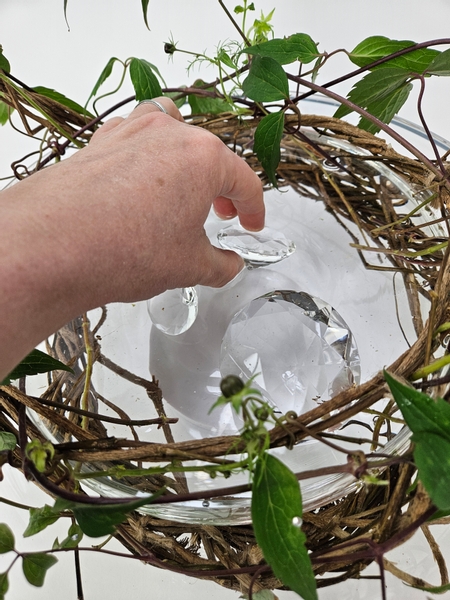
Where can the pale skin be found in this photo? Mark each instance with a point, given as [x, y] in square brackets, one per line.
[120, 221]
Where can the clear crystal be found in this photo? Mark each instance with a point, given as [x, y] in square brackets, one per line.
[257, 248]
[174, 311]
[298, 347]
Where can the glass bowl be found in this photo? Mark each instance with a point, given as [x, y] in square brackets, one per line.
[187, 366]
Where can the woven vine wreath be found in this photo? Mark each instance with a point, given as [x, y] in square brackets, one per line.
[344, 536]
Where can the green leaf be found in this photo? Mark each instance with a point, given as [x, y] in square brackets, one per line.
[225, 58]
[266, 80]
[5, 111]
[40, 518]
[144, 10]
[36, 362]
[432, 458]
[422, 414]
[267, 143]
[103, 76]
[299, 46]
[35, 566]
[4, 63]
[74, 537]
[204, 105]
[429, 421]
[4, 585]
[440, 65]
[6, 539]
[7, 441]
[374, 87]
[145, 82]
[375, 47]
[386, 108]
[98, 520]
[54, 95]
[276, 503]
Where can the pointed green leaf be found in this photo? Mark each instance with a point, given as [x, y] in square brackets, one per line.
[4, 585]
[373, 88]
[35, 566]
[98, 520]
[74, 537]
[432, 458]
[4, 63]
[40, 518]
[375, 47]
[225, 58]
[267, 143]
[6, 539]
[441, 64]
[5, 111]
[36, 362]
[145, 82]
[7, 441]
[386, 108]
[422, 414]
[103, 76]
[54, 95]
[276, 506]
[266, 80]
[144, 11]
[201, 105]
[299, 46]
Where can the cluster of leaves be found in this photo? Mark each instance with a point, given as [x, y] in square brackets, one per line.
[34, 564]
[276, 497]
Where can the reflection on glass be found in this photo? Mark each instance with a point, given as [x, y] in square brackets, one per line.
[298, 347]
[174, 311]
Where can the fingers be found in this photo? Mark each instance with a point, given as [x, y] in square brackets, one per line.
[147, 107]
[220, 266]
[107, 127]
[241, 193]
[140, 110]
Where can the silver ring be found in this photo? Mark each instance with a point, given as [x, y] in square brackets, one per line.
[156, 103]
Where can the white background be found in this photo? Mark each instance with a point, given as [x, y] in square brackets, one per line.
[42, 51]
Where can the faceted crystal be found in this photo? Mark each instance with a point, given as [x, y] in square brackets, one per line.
[257, 248]
[298, 347]
[174, 311]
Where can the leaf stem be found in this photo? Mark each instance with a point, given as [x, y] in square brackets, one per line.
[233, 20]
[364, 113]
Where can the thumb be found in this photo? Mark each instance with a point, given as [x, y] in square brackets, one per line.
[219, 267]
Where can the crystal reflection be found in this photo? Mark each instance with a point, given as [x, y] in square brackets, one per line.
[298, 347]
[257, 248]
[174, 311]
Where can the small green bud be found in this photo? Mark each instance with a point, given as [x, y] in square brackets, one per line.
[261, 413]
[169, 48]
[231, 385]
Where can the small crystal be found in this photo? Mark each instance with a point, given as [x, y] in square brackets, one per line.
[298, 348]
[174, 311]
[297, 521]
[257, 248]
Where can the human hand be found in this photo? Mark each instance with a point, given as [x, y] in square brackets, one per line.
[154, 179]
[120, 220]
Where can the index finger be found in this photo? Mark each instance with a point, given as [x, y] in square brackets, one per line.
[241, 194]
